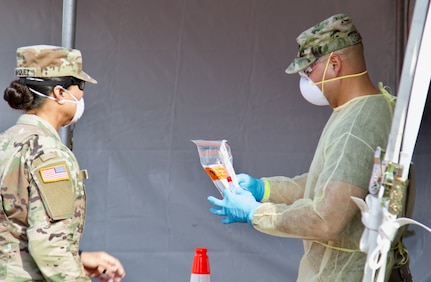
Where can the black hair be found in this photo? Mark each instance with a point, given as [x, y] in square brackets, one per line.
[19, 96]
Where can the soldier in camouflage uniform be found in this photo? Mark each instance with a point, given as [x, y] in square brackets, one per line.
[43, 202]
[316, 206]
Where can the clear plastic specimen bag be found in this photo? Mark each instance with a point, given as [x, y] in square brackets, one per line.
[216, 159]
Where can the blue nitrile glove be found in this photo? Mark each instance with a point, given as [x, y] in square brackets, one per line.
[237, 205]
[254, 185]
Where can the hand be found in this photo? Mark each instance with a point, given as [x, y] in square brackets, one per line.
[237, 205]
[255, 186]
[102, 266]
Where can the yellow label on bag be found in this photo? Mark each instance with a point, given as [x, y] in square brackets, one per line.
[216, 172]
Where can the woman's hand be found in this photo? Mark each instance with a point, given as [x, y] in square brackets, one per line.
[102, 266]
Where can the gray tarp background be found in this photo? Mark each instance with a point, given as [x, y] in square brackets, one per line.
[174, 70]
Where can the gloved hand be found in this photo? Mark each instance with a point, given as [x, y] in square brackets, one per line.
[237, 205]
[249, 183]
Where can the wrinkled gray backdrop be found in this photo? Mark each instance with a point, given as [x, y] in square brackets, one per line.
[174, 70]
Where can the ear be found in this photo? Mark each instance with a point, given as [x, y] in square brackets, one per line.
[57, 93]
[335, 63]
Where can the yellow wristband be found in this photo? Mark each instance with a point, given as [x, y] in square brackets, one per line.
[266, 190]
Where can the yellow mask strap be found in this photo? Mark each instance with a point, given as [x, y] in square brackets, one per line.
[341, 77]
[324, 73]
[335, 78]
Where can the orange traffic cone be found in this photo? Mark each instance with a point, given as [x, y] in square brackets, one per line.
[201, 266]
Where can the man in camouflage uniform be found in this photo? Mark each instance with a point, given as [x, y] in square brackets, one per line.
[43, 202]
[316, 206]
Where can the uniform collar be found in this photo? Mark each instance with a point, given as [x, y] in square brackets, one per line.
[30, 119]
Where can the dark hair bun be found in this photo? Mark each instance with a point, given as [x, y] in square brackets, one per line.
[18, 96]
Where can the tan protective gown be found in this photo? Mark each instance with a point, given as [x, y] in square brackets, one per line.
[306, 206]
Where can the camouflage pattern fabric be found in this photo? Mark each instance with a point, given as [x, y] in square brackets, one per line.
[42, 205]
[50, 61]
[332, 34]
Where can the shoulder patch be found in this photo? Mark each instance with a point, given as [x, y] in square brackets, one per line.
[54, 181]
[54, 173]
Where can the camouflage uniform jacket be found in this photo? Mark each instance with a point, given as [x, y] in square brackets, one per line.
[42, 205]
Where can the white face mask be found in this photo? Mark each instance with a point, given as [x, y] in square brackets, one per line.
[80, 106]
[311, 92]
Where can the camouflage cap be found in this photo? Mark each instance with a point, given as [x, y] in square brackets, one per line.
[334, 33]
[50, 61]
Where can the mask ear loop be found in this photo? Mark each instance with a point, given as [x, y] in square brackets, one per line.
[70, 94]
[336, 78]
[324, 74]
[41, 94]
[342, 77]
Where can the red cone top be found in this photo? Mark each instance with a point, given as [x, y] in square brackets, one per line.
[201, 264]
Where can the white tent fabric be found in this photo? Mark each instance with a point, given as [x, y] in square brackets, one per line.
[174, 70]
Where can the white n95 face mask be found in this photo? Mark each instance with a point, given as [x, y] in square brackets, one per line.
[80, 105]
[311, 92]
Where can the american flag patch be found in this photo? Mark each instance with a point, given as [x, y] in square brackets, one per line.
[54, 173]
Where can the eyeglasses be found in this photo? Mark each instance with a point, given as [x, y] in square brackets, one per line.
[306, 72]
[309, 69]
[73, 81]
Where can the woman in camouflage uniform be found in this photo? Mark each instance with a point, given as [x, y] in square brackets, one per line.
[43, 202]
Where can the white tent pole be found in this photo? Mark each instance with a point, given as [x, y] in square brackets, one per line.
[68, 40]
[411, 98]
[412, 66]
[419, 92]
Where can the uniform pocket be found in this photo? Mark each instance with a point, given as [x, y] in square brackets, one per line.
[56, 189]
